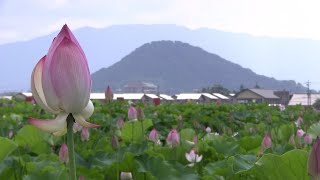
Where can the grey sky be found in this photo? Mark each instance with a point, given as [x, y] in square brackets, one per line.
[23, 20]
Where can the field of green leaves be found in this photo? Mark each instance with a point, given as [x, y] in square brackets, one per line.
[210, 141]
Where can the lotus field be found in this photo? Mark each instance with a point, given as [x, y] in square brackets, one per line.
[64, 135]
[170, 141]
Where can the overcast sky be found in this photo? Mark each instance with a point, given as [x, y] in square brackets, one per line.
[23, 20]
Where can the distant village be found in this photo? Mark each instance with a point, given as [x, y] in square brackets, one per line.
[149, 93]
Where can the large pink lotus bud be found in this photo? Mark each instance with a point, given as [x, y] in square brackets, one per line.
[85, 134]
[63, 153]
[140, 114]
[173, 138]
[314, 160]
[108, 94]
[132, 114]
[153, 136]
[120, 123]
[125, 176]
[266, 142]
[300, 133]
[308, 138]
[61, 84]
[193, 157]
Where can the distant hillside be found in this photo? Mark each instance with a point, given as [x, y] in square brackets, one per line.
[282, 58]
[176, 66]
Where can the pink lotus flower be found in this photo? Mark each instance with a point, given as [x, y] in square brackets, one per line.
[108, 94]
[266, 142]
[63, 153]
[85, 134]
[208, 130]
[61, 84]
[120, 123]
[300, 133]
[173, 138]
[153, 136]
[314, 160]
[308, 138]
[140, 114]
[193, 157]
[125, 176]
[132, 114]
[299, 121]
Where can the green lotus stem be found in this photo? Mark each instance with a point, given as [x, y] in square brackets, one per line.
[132, 132]
[70, 142]
[142, 130]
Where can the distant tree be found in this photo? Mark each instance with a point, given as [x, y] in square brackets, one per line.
[316, 104]
[216, 88]
[257, 86]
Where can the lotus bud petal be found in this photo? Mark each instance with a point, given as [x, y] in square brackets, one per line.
[300, 133]
[140, 114]
[266, 142]
[195, 139]
[132, 114]
[173, 138]
[308, 138]
[120, 123]
[314, 160]
[153, 136]
[125, 176]
[81, 178]
[63, 153]
[208, 130]
[85, 134]
[52, 126]
[66, 78]
[108, 94]
[180, 118]
[77, 127]
[114, 141]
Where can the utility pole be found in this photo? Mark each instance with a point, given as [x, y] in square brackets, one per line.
[308, 93]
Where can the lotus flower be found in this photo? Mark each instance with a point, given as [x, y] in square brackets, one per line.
[173, 138]
[10, 135]
[63, 153]
[108, 94]
[193, 157]
[85, 134]
[140, 114]
[153, 136]
[300, 133]
[266, 142]
[125, 176]
[120, 123]
[208, 130]
[314, 160]
[132, 114]
[299, 121]
[61, 84]
[308, 138]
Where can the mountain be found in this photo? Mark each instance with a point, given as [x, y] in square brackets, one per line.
[282, 58]
[179, 67]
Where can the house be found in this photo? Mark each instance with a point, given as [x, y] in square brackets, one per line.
[257, 96]
[6, 97]
[140, 87]
[197, 97]
[97, 96]
[302, 99]
[24, 96]
[137, 97]
[222, 98]
[166, 98]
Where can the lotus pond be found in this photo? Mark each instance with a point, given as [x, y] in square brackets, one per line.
[211, 141]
